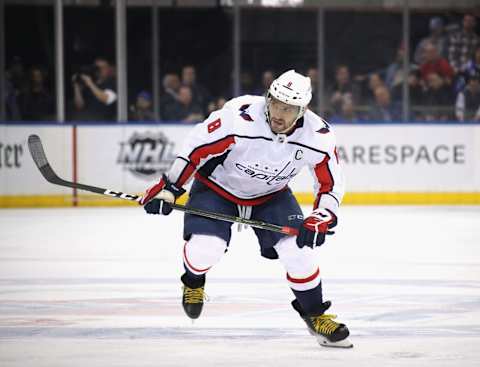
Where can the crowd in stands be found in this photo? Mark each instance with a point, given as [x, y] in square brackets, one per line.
[27, 96]
[443, 84]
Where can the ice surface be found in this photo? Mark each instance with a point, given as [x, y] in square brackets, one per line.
[99, 287]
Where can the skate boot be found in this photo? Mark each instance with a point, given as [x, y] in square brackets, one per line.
[193, 296]
[327, 332]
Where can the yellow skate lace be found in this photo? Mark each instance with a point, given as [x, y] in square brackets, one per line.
[324, 324]
[194, 295]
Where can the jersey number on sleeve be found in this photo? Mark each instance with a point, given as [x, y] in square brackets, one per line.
[214, 125]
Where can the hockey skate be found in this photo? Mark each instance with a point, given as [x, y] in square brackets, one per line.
[327, 332]
[193, 296]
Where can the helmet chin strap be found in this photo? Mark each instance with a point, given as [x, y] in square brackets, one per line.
[288, 129]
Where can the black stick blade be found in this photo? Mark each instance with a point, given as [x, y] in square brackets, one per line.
[37, 152]
[40, 159]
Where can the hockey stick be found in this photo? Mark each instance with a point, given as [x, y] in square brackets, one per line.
[38, 154]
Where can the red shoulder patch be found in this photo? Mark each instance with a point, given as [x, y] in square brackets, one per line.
[214, 125]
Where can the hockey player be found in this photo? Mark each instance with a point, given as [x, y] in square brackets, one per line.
[242, 158]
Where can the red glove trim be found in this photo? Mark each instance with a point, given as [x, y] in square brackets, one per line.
[152, 192]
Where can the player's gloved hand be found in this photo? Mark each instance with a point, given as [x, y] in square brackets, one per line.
[158, 197]
[315, 227]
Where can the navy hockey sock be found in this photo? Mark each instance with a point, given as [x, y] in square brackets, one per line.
[311, 300]
[192, 280]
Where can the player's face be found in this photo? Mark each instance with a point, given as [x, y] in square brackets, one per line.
[282, 115]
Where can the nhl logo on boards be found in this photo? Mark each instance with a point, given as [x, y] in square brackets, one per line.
[146, 155]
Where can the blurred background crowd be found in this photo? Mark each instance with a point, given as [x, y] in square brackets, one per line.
[363, 58]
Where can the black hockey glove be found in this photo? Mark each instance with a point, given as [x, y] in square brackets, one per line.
[158, 198]
[315, 227]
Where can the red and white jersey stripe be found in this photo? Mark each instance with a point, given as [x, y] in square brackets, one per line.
[237, 155]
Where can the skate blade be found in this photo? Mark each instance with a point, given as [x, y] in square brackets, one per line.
[324, 342]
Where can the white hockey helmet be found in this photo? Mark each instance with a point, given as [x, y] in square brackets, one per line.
[292, 88]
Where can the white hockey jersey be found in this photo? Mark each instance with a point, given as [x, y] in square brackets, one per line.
[235, 153]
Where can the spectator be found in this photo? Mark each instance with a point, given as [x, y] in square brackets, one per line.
[36, 102]
[342, 88]
[185, 109]
[438, 98]
[437, 37]
[267, 79]
[467, 106]
[394, 71]
[347, 113]
[201, 96]
[462, 43]
[15, 82]
[246, 83]
[95, 94]
[171, 85]
[221, 102]
[415, 92]
[384, 109]
[471, 68]
[12, 110]
[434, 63]
[216, 104]
[17, 76]
[415, 88]
[374, 80]
[142, 109]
